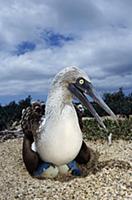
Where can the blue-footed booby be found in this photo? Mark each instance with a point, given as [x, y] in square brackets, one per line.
[58, 138]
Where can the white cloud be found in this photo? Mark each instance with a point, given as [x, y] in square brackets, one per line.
[101, 46]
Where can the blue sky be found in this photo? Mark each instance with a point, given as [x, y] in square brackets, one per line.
[39, 38]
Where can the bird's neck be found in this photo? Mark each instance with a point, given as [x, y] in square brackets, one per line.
[57, 99]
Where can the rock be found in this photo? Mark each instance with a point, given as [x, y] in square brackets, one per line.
[10, 134]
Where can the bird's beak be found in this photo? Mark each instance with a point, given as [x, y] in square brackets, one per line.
[80, 90]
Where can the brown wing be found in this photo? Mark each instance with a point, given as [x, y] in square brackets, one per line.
[31, 118]
[84, 154]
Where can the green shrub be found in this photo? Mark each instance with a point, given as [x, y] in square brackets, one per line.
[92, 131]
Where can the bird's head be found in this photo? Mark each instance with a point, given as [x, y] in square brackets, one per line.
[78, 84]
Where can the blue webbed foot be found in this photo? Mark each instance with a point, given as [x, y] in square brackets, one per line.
[46, 170]
[41, 168]
[74, 168]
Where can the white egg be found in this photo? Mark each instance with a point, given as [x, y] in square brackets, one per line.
[63, 169]
[51, 172]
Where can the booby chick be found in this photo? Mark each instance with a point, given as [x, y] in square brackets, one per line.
[58, 140]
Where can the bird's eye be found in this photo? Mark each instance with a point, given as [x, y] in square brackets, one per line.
[81, 81]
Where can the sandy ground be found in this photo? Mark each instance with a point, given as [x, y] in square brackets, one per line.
[107, 176]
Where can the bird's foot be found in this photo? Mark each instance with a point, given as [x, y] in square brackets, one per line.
[46, 170]
[74, 168]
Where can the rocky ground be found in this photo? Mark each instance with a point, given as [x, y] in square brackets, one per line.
[108, 176]
[10, 134]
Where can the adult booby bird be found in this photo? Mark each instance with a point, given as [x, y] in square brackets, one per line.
[58, 140]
